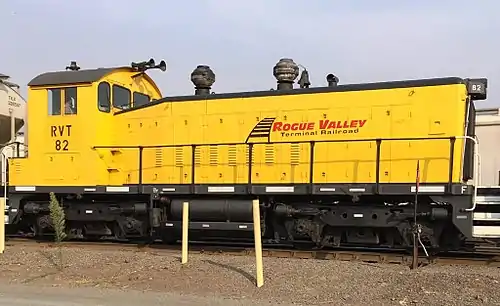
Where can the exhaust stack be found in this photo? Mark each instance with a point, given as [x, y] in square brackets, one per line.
[203, 78]
[285, 72]
[332, 80]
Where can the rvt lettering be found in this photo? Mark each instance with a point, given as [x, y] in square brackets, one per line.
[60, 130]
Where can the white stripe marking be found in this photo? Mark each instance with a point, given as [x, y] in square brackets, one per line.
[327, 189]
[168, 189]
[89, 189]
[280, 189]
[117, 189]
[25, 188]
[220, 189]
[357, 189]
[357, 215]
[427, 188]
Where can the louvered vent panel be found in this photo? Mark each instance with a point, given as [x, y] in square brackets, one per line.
[213, 155]
[197, 156]
[294, 153]
[247, 155]
[179, 157]
[158, 157]
[269, 154]
[231, 155]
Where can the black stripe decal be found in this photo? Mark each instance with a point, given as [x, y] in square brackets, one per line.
[262, 129]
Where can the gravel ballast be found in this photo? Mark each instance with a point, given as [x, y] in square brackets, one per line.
[300, 281]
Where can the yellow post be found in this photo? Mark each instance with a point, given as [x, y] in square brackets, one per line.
[2, 226]
[185, 228]
[258, 243]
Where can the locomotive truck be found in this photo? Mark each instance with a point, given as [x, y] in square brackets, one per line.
[331, 166]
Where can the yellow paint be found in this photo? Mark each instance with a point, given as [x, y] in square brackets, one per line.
[433, 111]
[185, 230]
[79, 165]
[258, 244]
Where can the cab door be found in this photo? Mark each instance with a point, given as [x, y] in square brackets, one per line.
[63, 111]
[62, 150]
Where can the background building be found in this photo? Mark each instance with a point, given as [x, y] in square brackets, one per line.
[488, 133]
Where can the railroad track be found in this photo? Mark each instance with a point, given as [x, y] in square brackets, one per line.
[484, 256]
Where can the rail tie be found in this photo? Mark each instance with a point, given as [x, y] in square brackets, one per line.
[488, 258]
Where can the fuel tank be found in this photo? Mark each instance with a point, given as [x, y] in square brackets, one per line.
[217, 210]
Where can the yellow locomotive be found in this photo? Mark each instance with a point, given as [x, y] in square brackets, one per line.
[331, 165]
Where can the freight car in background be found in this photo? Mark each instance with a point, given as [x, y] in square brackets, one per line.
[487, 214]
[331, 165]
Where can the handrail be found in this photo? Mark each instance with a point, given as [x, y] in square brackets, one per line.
[4, 173]
[4, 160]
[2, 147]
[476, 170]
[250, 145]
[271, 142]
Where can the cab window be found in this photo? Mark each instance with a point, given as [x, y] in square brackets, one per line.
[121, 97]
[70, 100]
[104, 97]
[55, 98]
[140, 99]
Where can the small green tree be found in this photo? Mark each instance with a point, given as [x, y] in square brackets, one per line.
[58, 222]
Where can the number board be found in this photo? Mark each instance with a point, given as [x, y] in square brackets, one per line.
[477, 88]
[61, 135]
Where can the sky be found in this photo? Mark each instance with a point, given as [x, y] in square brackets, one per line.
[358, 40]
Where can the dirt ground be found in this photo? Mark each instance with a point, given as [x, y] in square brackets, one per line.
[27, 295]
[300, 281]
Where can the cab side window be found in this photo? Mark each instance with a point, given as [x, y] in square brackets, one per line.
[121, 97]
[70, 101]
[104, 97]
[55, 98]
[140, 99]
[54, 101]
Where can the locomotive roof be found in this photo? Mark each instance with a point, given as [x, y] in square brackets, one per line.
[71, 77]
[314, 90]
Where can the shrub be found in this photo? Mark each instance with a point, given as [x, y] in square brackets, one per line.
[58, 223]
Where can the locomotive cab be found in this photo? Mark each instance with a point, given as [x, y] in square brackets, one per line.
[79, 107]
